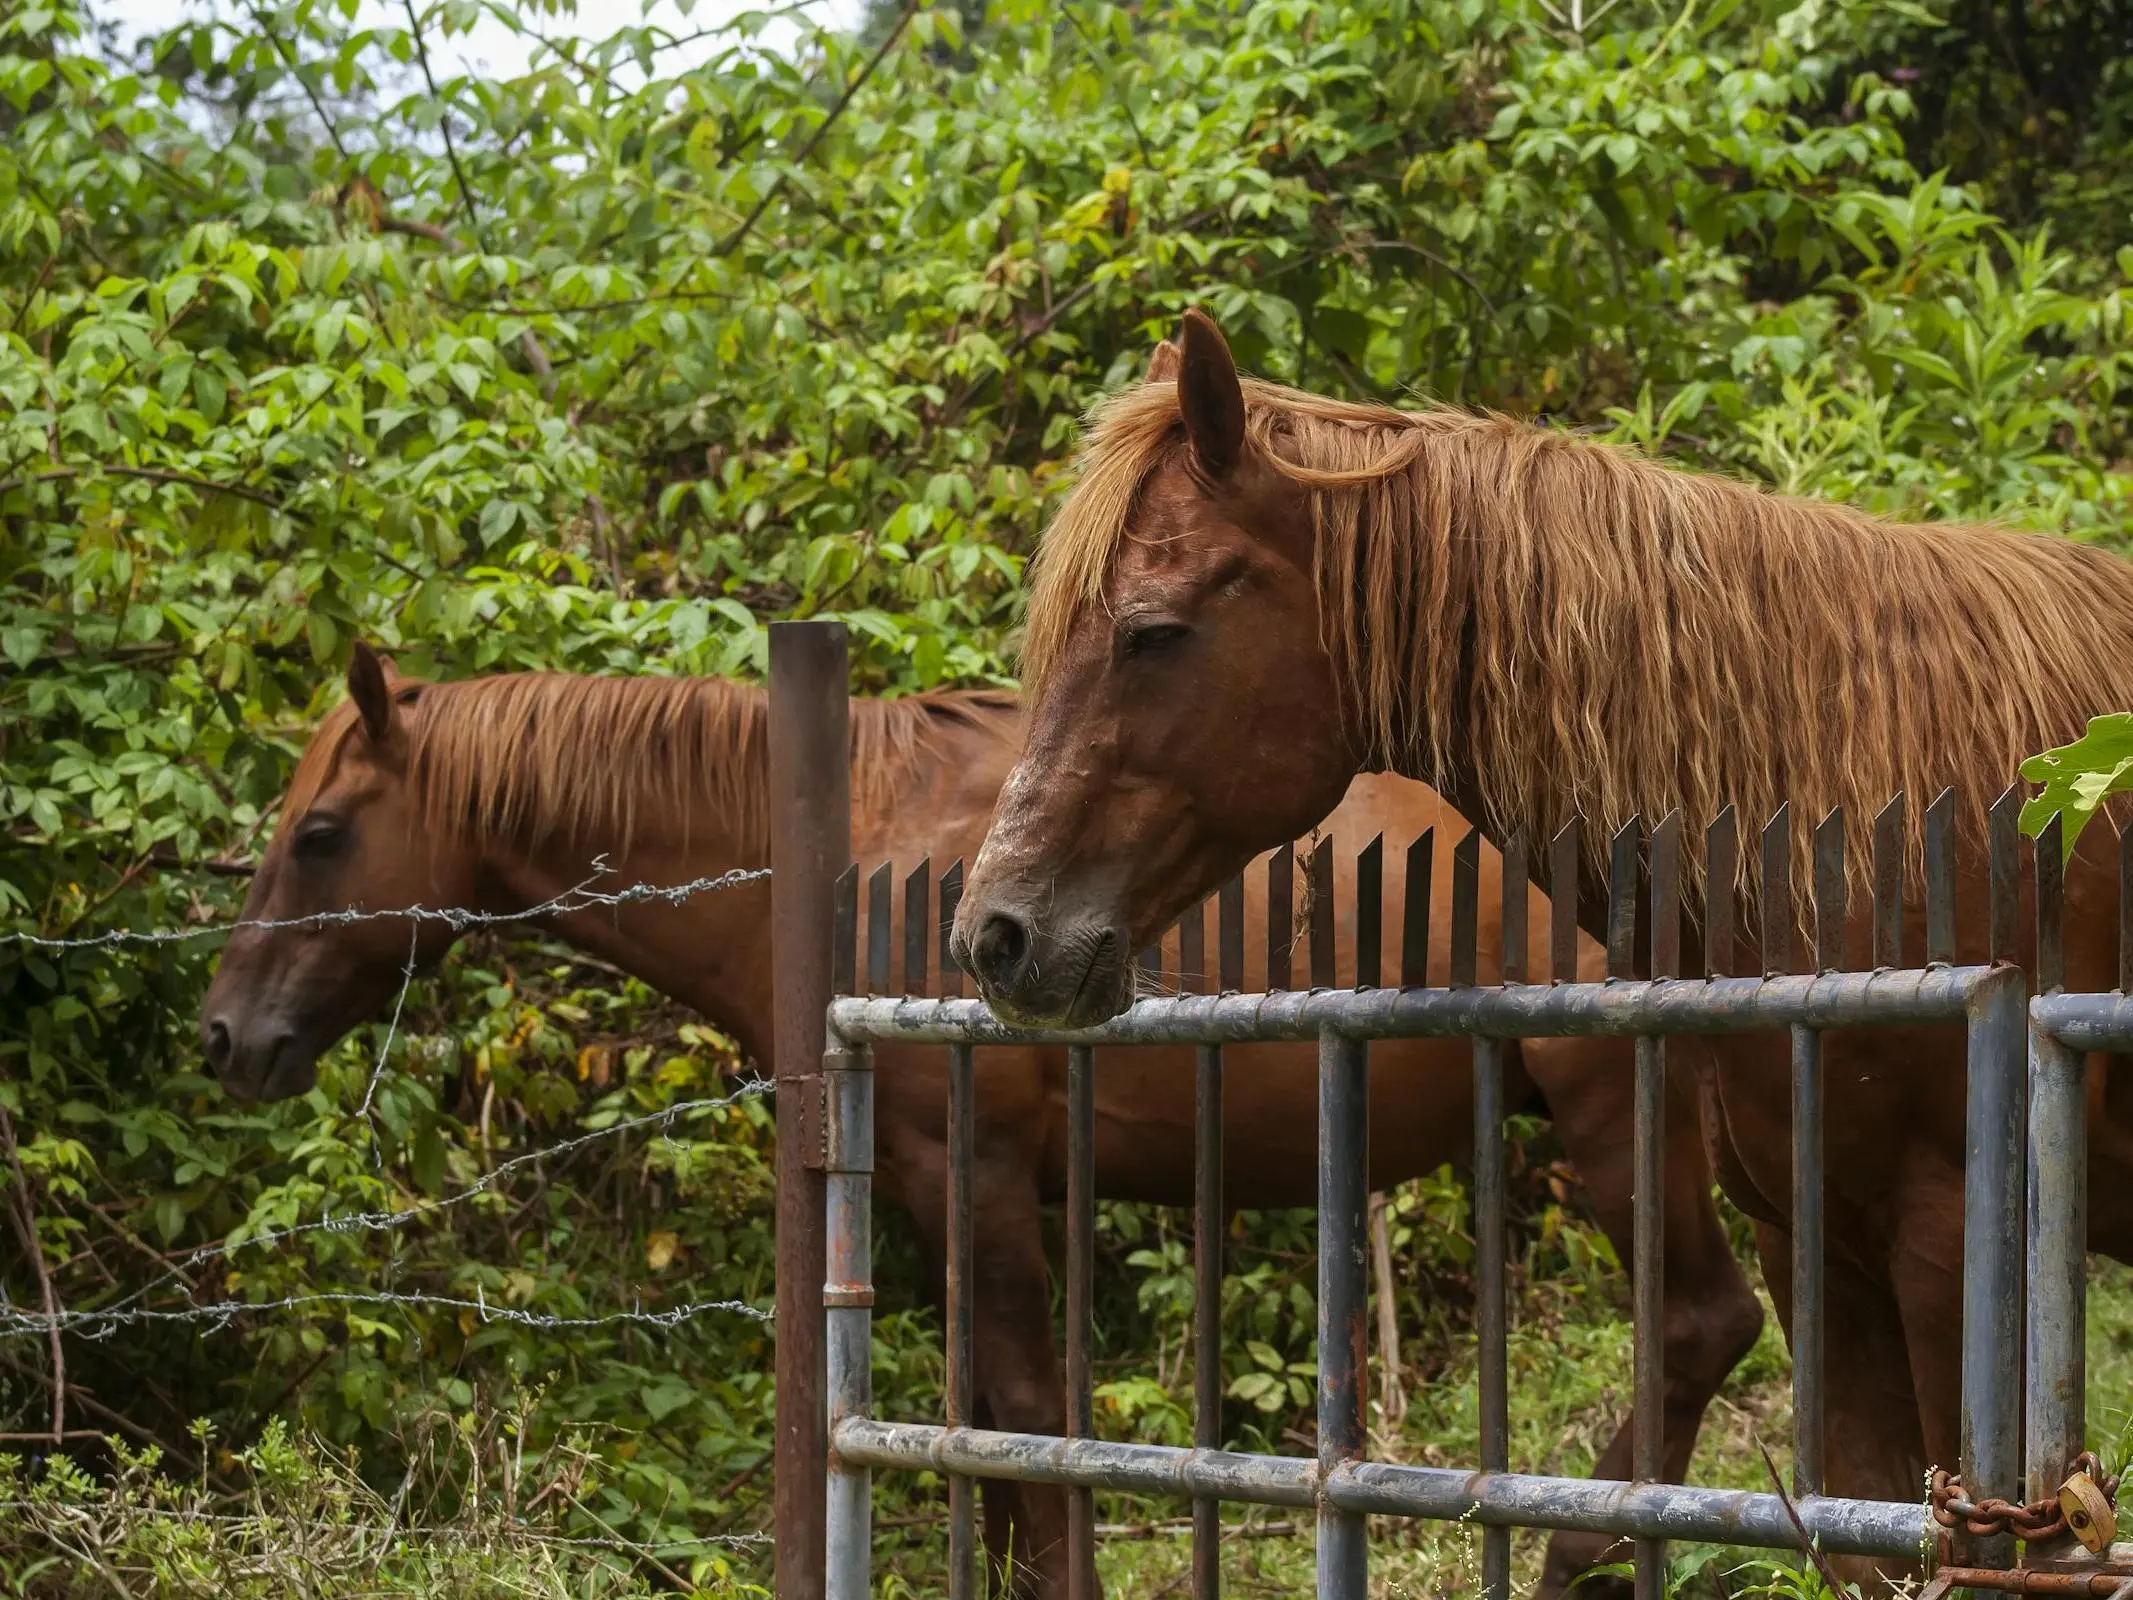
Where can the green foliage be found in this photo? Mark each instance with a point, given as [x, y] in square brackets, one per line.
[307, 337]
[2078, 778]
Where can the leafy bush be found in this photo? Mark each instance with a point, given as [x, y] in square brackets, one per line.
[308, 338]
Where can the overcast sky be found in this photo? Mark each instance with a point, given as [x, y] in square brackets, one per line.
[494, 49]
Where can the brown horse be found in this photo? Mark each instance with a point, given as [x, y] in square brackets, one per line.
[479, 794]
[1254, 593]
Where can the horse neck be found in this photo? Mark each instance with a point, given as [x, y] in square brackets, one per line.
[710, 949]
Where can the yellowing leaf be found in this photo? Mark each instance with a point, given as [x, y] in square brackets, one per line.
[660, 1249]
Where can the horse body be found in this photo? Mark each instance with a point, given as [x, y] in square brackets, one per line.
[435, 794]
[1253, 593]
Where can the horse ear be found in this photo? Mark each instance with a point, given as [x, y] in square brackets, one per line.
[1209, 395]
[370, 687]
[1163, 365]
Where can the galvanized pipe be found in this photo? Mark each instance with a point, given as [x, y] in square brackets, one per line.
[1518, 1011]
[1810, 1349]
[1648, 1200]
[1343, 1300]
[1993, 1216]
[1208, 1219]
[2058, 1251]
[1491, 1317]
[2087, 1021]
[962, 1157]
[1080, 1308]
[848, 1301]
[1630, 1510]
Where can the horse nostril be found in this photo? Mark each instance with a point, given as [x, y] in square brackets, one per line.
[1001, 950]
[218, 1044]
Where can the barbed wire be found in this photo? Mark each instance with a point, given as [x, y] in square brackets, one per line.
[101, 1324]
[579, 897]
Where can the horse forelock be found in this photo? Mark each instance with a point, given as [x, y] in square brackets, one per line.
[1593, 633]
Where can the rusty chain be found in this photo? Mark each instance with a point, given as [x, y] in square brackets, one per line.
[1987, 1519]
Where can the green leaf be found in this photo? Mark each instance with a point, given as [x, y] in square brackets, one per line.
[2078, 778]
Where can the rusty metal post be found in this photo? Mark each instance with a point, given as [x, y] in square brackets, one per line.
[810, 845]
[1343, 1300]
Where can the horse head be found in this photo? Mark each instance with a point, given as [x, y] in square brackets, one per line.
[317, 957]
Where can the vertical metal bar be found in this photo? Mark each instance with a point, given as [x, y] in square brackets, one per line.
[2051, 908]
[918, 898]
[1080, 1307]
[1832, 900]
[1466, 898]
[1666, 897]
[1648, 1200]
[1563, 903]
[2058, 1259]
[1208, 1223]
[1888, 883]
[1192, 949]
[1320, 893]
[1721, 877]
[1779, 912]
[1994, 1195]
[848, 1300]
[1940, 879]
[1152, 966]
[951, 897]
[880, 886]
[962, 1157]
[1370, 914]
[1622, 899]
[1343, 1299]
[844, 940]
[1491, 1321]
[810, 844]
[1230, 959]
[1810, 1348]
[1280, 915]
[2057, 1301]
[1515, 889]
[2005, 876]
[2125, 909]
[1414, 911]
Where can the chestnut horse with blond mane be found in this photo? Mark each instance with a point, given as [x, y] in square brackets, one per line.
[1252, 594]
[496, 793]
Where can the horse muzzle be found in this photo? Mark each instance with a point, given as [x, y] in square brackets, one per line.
[1076, 975]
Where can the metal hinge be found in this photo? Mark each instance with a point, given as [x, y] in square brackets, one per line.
[810, 1098]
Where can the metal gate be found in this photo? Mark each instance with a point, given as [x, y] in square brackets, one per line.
[2023, 1240]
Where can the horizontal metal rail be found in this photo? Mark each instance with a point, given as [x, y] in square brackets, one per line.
[1508, 1499]
[1622, 1008]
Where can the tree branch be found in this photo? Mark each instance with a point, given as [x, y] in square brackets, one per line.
[444, 122]
[26, 1225]
[748, 222]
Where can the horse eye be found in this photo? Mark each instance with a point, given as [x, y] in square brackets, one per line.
[1155, 636]
[319, 839]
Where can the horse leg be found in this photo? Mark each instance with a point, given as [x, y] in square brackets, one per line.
[1710, 1318]
[1017, 1370]
[1870, 1428]
[912, 1172]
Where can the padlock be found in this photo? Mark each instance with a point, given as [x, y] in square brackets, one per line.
[2091, 1516]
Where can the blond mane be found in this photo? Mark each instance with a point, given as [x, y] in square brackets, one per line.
[1589, 632]
[537, 756]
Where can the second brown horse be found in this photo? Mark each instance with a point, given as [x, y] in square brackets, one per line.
[497, 793]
